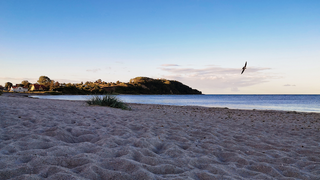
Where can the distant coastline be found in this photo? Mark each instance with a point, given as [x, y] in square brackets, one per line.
[138, 85]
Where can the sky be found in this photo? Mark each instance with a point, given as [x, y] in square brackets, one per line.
[201, 43]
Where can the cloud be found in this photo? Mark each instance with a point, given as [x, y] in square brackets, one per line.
[93, 70]
[289, 85]
[17, 79]
[213, 78]
[212, 70]
[168, 65]
[234, 89]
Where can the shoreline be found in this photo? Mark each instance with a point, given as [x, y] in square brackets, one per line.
[262, 109]
[27, 95]
[58, 139]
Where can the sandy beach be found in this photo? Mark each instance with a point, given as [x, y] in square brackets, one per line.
[55, 139]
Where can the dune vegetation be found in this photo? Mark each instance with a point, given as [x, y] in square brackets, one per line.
[108, 100]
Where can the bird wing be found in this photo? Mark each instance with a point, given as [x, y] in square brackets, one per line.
[244, 67]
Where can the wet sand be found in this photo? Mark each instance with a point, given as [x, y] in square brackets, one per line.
[54, 139]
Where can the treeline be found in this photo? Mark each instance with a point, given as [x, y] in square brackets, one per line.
[145, 85]
[138, 85]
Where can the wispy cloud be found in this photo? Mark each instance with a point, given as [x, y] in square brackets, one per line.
[168, 65]
[34, 80]
[213, 77]
[213, 70]
[289, 85]
[93, 70]
[17, 79]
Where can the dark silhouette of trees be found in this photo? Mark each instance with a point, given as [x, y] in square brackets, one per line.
[99, 81]
[25, 83]
[8, 85]
[44, 80]
[138, 85]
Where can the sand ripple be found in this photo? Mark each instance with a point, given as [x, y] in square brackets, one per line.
[52, 139]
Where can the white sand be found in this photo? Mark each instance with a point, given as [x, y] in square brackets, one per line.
[52, 139]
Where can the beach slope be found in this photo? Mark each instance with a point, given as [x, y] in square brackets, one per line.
[53, 139]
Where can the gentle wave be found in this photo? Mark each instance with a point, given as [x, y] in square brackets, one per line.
[301, 103]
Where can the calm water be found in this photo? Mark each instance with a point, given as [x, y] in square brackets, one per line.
[302, 103]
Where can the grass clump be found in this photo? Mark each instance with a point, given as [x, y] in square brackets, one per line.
[108, 100]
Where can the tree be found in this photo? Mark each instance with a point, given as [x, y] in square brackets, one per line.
[8, 85]
[51, 87]
[56, 84]
[99, 81]
[25, 83]
[44, 80]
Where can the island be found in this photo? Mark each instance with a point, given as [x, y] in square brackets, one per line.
[137, 85]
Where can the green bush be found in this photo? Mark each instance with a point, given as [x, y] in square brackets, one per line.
[108, 100]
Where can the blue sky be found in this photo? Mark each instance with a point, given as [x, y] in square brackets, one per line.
[201, 43]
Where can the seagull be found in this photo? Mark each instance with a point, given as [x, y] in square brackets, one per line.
[244, 67]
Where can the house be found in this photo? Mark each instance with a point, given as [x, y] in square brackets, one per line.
[37, 87]
[18, 89]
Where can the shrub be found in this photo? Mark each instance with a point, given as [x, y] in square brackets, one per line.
[108, 100]
[1, 93]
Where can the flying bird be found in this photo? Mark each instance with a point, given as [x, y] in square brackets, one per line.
[244, 67]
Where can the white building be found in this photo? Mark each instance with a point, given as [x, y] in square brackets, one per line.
[18, 89]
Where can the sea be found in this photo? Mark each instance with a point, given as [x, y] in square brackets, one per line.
[298, 103]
